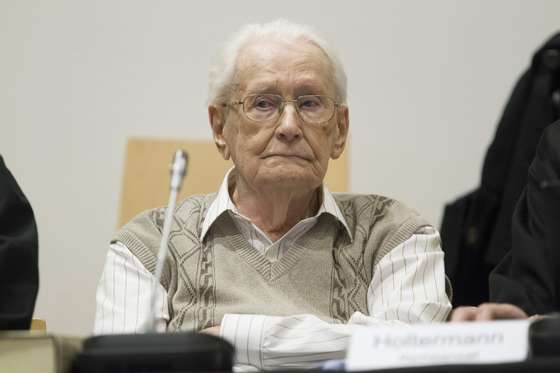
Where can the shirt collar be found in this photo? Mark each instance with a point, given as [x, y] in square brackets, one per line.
[223, 203]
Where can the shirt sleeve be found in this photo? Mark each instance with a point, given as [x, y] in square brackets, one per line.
[123, 295]
[408, 286]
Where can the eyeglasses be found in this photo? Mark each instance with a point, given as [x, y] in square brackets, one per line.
[312, 109]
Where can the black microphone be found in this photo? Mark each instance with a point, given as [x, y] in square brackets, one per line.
[157, 352]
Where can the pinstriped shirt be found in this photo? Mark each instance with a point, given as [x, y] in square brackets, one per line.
[408, 286]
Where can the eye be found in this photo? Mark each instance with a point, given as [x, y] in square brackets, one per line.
[310, 103]
[264, 103]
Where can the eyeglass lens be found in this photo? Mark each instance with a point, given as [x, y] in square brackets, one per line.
[266, 107]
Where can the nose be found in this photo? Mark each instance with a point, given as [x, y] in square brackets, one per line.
[289, 126]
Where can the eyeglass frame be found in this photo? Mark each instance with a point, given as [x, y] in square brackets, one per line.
[281, 108]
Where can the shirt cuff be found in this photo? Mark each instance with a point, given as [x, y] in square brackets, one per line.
[246, 333]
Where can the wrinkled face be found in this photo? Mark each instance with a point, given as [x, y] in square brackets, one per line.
[287, 152]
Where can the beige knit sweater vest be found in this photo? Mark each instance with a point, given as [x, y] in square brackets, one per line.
[325, 272]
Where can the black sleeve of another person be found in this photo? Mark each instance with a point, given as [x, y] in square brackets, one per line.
[529, 276]
[19, 274]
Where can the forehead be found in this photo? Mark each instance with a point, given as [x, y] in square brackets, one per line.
[284, 66]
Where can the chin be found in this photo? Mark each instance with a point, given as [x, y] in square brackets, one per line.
[296, 177]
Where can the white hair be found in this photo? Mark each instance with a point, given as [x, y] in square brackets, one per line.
[222, 74]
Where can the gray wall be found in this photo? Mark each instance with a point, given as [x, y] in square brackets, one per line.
[427, 83]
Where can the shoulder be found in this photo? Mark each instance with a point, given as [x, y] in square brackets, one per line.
[553, 131]
[147, 226]
[379, 220]
[372, 208]
[550, 142]
[546, 164]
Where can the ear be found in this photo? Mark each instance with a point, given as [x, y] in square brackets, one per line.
[341, 133]
[216, 116]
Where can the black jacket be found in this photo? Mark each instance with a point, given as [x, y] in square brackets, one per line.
[529, 276]
[476, 228]
[19, 274]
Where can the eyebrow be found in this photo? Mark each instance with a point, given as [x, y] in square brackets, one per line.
[271, 86]
[310, 89]
[304, 88]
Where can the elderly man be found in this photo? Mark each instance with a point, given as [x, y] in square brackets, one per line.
[274, 262]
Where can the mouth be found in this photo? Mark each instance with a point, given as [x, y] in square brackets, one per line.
[288, 156]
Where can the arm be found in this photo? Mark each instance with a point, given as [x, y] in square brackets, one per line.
[409, 283]
[528, 275]
[526, 281]
[408, 286]
[19, 273]
[123, 294]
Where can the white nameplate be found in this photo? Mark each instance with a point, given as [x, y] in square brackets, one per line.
[438, 344]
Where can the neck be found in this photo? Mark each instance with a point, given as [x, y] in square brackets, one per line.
[275, 211]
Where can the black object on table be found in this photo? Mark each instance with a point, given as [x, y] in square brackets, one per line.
[155, 352]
